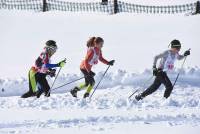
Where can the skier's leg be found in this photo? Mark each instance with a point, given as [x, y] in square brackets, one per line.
[39, 80]
[156, 84]
[32, 85]
[90, 86]
[29, 93]
[84, 85]
[168, 85]
[32, 80]
[45, 86]
[81, 86]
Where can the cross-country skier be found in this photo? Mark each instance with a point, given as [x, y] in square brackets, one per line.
[94, 54]
[42, 68]
[168, 58]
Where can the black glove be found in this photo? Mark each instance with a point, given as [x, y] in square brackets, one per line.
[52, 72]
[187, 53]
[92, 74]
[155, 71]
[111, 63]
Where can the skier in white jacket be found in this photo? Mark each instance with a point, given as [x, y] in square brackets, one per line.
[168, 58]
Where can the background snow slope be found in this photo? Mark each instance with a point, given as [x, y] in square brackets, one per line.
[188, 77]
[132, 40]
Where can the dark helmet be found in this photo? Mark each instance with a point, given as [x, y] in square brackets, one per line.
[51, 45]
[175, 44]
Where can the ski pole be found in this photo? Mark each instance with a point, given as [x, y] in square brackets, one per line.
[68, 83]
[180, 71]
[55, 79]
[53, 82]
[99, 81]
[140, 88]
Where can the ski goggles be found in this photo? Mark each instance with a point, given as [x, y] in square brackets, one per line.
[52, 49]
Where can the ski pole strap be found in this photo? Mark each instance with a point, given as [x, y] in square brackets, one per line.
[68, 83]
[100, 81]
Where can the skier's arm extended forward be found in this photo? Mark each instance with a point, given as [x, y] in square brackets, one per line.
[186, 53]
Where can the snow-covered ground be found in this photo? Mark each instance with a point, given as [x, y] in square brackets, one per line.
[109, 111]
[132, 40]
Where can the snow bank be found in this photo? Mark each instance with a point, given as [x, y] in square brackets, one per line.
[106, 112]
[188, 77]
[110, 98]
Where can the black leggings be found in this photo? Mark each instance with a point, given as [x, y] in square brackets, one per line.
[161, 78]
[88, 78]
[43, 84]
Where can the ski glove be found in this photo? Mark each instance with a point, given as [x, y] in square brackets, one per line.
[111, 63]
[62, 63]
[52, 72]
[187, 53]
[155, 71]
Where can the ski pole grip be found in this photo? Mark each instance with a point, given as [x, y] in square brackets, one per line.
[64, 60]
[188, 50]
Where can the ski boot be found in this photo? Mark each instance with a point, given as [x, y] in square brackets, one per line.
[86, 95]
[139, 97]
[38, 93]
[28, 94]
[47, 94]
[74, 91]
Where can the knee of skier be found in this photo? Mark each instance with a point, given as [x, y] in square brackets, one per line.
[86, 84]
[156, 86]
